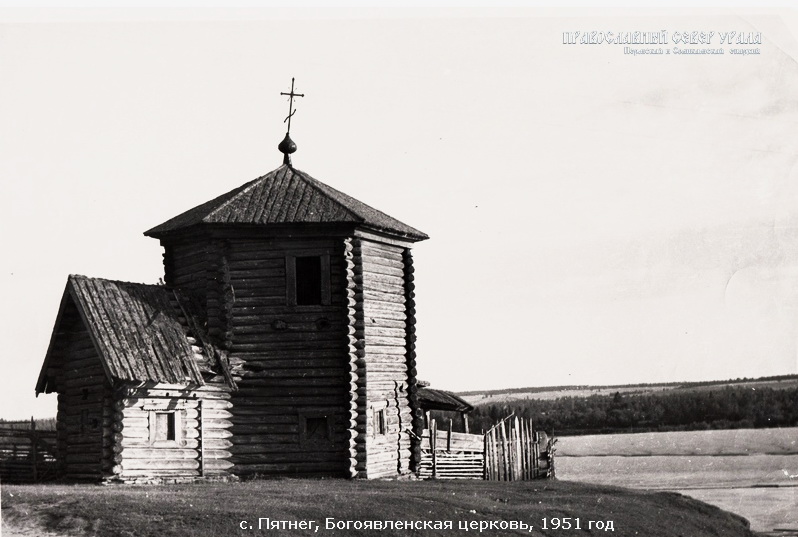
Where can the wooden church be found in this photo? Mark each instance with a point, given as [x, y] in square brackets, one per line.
[282, 343]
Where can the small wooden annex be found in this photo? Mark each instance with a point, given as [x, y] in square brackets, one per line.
[282, 343]
[142, 395]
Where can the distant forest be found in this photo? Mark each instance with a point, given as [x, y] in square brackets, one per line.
[730, 407]
[42, 424]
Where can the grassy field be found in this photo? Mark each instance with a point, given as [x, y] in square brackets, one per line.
[218, 509]
[717, 442]
[555, 392]
[753, 473]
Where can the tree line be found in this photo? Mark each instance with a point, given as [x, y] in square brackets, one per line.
[42, 424]
[730, 407]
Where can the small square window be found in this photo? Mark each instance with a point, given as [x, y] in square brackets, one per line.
[315, 429]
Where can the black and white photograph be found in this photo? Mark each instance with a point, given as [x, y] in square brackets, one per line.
[384, 269]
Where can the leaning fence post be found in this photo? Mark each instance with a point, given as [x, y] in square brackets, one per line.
[34, 447]
[485, 457]
[449, 437]
[433, 441]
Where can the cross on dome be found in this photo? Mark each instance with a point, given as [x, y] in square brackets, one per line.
[287, 146]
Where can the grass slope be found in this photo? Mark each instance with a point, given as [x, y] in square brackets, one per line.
[217, 509]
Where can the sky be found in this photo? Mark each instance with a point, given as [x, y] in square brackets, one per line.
[596, 217]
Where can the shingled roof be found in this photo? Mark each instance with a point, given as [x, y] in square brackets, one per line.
[431, 399]
[286, 196]
[140, 331]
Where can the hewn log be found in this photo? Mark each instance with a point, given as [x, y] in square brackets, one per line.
[332, 370]
[385, 341]
[335, 468]
[296, 381]
[191, 441]
[380, 329]
[376, 310]
[283, 457]
[264, 348]
[384, 270]
[380, 248]
[295, 394]
[161, 454]
[248, 419]
[259, 407]
[385, 350]
[291, 359]
[258, 451]
[263, 428]
[266, 335]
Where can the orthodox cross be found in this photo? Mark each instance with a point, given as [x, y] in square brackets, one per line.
[291, 110]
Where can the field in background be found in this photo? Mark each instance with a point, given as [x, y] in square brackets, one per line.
[751, 472]
[716, 442]
[480, 397]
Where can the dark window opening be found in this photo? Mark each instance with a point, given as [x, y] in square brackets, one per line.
[164, 426]
[308, 281]
[316, 429]
[379, 422]
[84, 394]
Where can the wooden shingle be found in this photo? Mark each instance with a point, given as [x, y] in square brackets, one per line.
[286, 196]
[136, 329]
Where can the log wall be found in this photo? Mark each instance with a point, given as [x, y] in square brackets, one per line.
[389, 414]
[357, 358]
[186, 265]
[84, 401]
[347, 366]
[290, 411]
[201, 445]
[417, 423]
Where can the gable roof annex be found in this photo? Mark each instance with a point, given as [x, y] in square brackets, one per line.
[136, 330]
[286, 196]
[432, 399]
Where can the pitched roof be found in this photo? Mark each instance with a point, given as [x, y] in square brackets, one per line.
[286, 196]
[431, 399]
[136, 329]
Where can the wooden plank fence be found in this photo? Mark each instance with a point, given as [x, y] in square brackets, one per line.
[27, 455]
[449, 455]
[510, 451]
[514, 451]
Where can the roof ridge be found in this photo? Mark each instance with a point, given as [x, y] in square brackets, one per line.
[287, 195]
[241, 189]
[96, 278]
[355, 204]
[316, 185]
